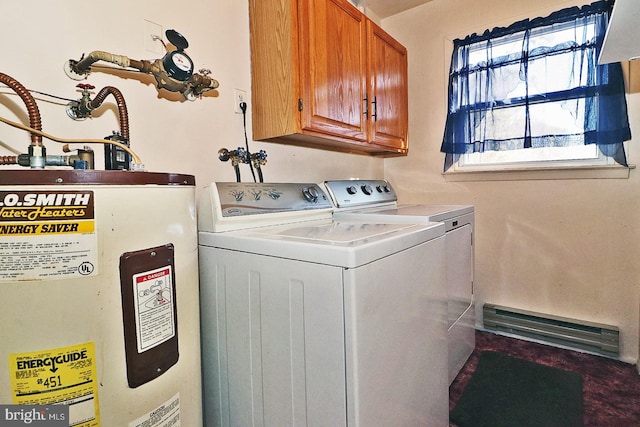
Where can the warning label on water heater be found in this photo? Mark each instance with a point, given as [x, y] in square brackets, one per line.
[47, 235]
[154, 308]
[166, 415]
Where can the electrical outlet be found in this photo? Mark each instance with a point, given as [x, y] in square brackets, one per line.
[239, 96]
[153, 37]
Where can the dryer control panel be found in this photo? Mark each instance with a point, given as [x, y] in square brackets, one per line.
[360, 192]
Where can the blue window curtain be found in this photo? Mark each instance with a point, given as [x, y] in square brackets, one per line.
[536, 83]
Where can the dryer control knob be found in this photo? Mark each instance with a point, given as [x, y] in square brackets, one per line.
[352, 190]
[366, 189]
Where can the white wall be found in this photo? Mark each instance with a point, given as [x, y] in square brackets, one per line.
[564, 247]
[170, 135]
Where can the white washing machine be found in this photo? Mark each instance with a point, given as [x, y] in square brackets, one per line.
[375, 200]
[308, 320]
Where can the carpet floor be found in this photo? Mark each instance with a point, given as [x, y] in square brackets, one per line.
[611, 388]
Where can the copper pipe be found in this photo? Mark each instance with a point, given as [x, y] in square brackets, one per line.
[32, 108]
[122, 107]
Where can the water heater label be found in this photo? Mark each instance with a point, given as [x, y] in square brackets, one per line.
[64, 376]
[165, 415]
[47, 235]
[155, 321]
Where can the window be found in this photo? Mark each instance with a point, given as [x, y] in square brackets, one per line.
[533, 94]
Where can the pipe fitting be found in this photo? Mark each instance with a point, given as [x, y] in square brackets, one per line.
[173, 72]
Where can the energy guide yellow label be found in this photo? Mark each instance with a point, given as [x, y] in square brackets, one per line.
[64, 375]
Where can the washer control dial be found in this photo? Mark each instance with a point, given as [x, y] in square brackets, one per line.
[310, 194]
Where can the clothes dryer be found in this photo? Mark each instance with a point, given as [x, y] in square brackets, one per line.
[309, 320]
[376, 200]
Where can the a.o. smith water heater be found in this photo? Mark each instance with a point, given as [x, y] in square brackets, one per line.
[99, 291]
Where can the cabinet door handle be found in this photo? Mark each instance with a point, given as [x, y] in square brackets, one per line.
[366, 106]
[374, 104]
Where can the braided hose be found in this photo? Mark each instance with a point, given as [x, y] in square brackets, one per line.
[122, 107]
[30, 103]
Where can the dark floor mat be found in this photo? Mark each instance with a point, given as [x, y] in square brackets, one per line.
[508, 392]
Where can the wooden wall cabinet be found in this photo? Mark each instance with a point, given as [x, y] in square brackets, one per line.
[325, 76]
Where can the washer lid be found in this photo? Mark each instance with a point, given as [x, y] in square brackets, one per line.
[409, 213]
[340, 243]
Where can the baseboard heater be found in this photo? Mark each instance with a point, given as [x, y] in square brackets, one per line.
[582, 335]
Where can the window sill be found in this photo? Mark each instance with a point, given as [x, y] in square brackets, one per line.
[520, 174]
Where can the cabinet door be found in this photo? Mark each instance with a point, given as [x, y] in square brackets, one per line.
[332, 68]
[388, 90]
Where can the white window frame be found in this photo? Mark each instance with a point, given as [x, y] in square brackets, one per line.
[534, 158]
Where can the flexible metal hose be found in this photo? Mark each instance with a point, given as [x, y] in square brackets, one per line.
[122, 107]
[8, 160]
[32, 108]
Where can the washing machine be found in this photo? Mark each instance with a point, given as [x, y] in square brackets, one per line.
[376, 200]
[309, 320]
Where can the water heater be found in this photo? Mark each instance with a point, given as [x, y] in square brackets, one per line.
[99, 290]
